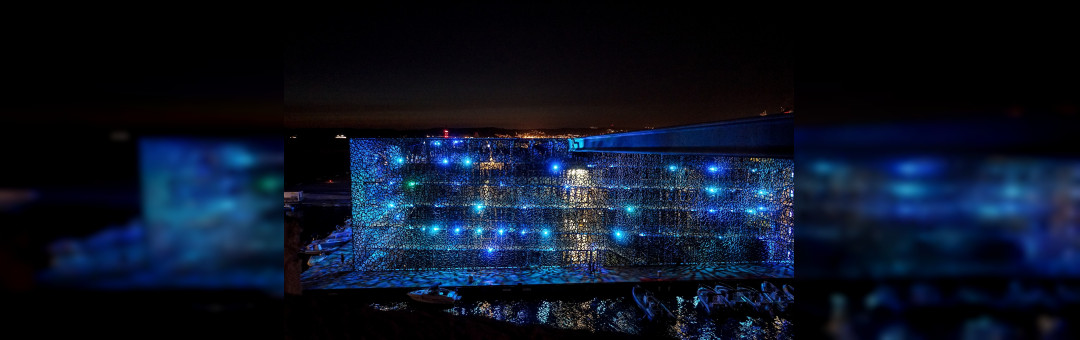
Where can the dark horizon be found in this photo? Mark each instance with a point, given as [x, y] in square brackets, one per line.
[533, 67]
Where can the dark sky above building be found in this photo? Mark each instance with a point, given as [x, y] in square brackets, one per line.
[534, 67]
[111, 67]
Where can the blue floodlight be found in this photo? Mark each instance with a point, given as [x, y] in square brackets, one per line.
[442, 194]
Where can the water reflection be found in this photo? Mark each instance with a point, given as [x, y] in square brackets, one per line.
[616, 314]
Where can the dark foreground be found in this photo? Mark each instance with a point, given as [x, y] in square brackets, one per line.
[150, 314]
[569, 311]
[926, 309]
[332, 317]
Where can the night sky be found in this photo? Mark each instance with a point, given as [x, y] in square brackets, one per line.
[188, 70]
[534, 67]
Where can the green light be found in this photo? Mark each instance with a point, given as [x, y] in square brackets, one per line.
[270, 183]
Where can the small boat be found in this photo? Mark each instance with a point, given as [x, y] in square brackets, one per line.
[340, 236]
[314, 248]
[435, 295]
[787, 296]
[747, 300]
[649, 303]
[707, 298]
[770, 295]
[715, 299]
[776, 299]
[315, 259]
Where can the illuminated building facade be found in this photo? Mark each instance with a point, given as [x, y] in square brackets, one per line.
[430, 203]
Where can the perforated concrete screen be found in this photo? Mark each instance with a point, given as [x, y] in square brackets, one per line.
[427, 203]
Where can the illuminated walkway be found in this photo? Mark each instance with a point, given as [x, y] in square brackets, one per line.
[331, 275]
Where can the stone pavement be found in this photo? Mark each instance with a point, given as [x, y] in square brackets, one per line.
[330, 274]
